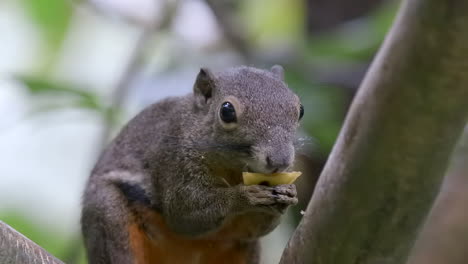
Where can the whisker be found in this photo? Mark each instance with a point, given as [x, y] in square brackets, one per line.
[306, 145]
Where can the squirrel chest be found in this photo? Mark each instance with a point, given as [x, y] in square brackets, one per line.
[152, 241]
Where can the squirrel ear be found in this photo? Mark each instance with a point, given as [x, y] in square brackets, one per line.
[204, 83]
[278, 71]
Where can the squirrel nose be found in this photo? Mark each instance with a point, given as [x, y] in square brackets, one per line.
[277, 163]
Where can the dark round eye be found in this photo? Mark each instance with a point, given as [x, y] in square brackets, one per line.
[227, 113]
[301, 112]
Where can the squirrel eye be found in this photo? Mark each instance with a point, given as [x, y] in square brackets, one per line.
[228, 113]
[301, 112]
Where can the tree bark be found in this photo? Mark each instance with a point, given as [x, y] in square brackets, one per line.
[389, 160]
[16, 248]
[444, 237]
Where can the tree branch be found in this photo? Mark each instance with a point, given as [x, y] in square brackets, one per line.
[123, 85]
[16, 248]
[230, 27]
[387, 165]
[444, 236]
[133, 66]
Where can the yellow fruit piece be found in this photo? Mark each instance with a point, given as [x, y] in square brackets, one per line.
[270, 179]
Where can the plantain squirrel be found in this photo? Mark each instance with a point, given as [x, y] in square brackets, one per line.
[168, 188]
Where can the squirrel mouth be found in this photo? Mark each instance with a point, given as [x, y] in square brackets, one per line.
[247, 168]
[266, 171]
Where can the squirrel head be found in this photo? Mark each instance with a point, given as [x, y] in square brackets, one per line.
[252, 113]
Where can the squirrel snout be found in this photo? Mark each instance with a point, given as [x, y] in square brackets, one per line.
[272, 158]
[278, 163]
[279, 158]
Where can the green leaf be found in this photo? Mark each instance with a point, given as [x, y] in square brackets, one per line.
[81, 97]
[358, 40]
[52, 17]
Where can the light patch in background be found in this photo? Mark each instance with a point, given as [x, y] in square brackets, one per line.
[20, 42]
[95, 52]
[274, 243]
[196, 23]
[13, 104]
[140, 11]
[45, 162]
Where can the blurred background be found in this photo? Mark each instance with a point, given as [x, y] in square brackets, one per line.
[72, 72]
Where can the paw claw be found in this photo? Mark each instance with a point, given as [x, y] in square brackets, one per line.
[276, 198]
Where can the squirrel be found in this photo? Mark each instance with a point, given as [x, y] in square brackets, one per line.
[168, 188]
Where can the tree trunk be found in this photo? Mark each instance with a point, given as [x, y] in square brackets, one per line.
[388, 162]
[445, 234]
[16, 248]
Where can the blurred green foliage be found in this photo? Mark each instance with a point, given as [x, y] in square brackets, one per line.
[80, 98]
[52, 17]
[45, 236]
[269, 22]
[62, 96]
[357, 41]
[324, 107]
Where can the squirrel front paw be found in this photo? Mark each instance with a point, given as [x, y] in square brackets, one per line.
[272, 199]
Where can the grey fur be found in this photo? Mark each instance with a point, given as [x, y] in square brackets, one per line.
[175, 149]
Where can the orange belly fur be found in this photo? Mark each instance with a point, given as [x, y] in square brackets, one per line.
[161, 245]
